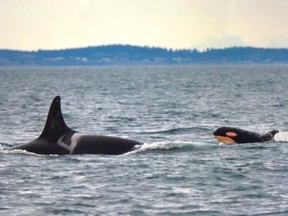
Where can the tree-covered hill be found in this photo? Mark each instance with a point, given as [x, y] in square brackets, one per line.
[137, 55]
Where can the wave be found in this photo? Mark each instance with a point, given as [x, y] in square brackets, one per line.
[5, 145]
[171, 146]
[178, 130]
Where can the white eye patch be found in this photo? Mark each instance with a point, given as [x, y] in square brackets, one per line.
[231, 134]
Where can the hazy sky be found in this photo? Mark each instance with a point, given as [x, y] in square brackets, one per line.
[56, 24]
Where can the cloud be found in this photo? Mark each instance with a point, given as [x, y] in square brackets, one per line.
[222, 42]
[279, 41]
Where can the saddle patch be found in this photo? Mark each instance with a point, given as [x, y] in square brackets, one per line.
[74, 140]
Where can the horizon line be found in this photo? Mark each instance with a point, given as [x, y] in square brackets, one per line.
[142, 46]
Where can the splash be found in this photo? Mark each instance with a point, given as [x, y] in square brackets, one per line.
[281, 137]
[2, 146]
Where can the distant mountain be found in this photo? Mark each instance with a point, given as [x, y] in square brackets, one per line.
[136, 55]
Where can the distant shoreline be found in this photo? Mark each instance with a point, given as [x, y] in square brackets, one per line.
[128, 55]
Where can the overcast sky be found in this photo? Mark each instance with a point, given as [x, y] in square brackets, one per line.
[57, 24]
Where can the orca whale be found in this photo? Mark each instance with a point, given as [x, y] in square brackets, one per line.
[231, 135]
[58, 138]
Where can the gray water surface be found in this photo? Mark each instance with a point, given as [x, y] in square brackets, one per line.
[180, 170]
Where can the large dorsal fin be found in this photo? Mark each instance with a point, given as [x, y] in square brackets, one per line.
[55, 124]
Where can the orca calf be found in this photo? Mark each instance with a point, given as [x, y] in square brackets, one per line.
[230, 135]
[58, 138]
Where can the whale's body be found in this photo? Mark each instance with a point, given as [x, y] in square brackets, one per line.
[230, 135]
[58, 138]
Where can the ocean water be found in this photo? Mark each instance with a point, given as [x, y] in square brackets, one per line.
[180, 170]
